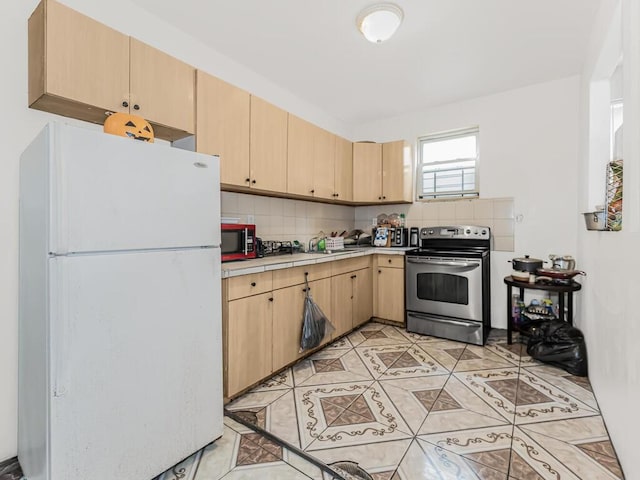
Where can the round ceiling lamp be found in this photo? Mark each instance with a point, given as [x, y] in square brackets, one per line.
[379, 22]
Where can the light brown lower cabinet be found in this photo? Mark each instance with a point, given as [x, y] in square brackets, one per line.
[352, 297]
[249, 341]
[363, 297]
[288, 307]
[389, 288]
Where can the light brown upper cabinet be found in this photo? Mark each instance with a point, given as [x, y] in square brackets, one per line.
[268, 146]
[382, 172]
[223, 123]
[311, 159]
[367, 172]
[343, 170]
[81, 68]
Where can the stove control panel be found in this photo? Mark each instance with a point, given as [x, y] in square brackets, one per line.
[469, 232]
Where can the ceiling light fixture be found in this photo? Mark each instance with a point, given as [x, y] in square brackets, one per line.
[379, 22]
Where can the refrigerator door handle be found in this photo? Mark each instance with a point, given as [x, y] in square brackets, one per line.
[60, 326]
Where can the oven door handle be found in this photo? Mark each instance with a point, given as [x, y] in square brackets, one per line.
[461, 323]
[441, 263]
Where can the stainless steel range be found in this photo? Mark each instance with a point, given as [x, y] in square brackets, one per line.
[448, 283]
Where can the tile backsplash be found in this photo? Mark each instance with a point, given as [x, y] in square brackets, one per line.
[495, 213]
[283, 219]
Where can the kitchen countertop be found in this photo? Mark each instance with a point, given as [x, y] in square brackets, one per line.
[276, 262]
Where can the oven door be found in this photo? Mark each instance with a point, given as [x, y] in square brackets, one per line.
[449, 287]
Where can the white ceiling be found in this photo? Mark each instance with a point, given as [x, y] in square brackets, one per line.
[445, 50]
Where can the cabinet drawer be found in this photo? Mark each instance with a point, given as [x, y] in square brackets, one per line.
[393, 261]
[295, 276]
[247, 285]
[351, 264]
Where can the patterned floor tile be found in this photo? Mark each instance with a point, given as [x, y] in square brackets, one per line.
[399, 361]
[379, 460]
[280, 381]
[374, 334]
[253, 399]
[331, 366]
[480, 358]
[446, 352]
[279, 471]
[184, 470]
[490, 446]
[338, 415]
[428, 461]
[578, 387]
[582, 444]
[457, 407]
[511, 353]
[529, 398]
[414, 397]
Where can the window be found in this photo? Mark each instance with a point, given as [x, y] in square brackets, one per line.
[447, 164]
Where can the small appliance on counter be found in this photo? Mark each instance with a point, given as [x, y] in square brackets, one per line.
[238, 241]
[275, 247]
[414, 235]
[399, 237]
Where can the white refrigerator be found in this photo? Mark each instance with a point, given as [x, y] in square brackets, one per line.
[120, 355]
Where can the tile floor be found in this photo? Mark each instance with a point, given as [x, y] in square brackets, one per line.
[407, 407]
[384, 404]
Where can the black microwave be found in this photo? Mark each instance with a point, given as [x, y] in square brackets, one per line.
[238, 241]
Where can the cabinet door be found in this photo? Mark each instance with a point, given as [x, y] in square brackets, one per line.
[268, 146]
[288, 308]
[389, 302]
[324, 155]
[343, 170]
[162, 89]
[223, 115]
[342, 301]
[249, 356]
[367, 165]
[363, 297]
[396, 172]
[300, 156]
[73, 57]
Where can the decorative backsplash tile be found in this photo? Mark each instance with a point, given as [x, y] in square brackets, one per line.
[284, 219]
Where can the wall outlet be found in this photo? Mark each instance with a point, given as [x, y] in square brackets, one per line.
[251, 219]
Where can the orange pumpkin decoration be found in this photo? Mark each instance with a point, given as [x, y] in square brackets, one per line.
[127, 125]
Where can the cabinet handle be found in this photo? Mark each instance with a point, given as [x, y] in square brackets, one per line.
[125, 104]
[136, 107]
[253, 284]
[306, 289]
[353, 276]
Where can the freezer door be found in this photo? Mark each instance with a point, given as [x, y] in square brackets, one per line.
[136, 360]
[113, 193]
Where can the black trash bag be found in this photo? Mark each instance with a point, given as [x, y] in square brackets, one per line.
[315, 324]
[559, 344]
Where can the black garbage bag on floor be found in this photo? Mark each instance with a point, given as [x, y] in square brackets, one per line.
[557, 343]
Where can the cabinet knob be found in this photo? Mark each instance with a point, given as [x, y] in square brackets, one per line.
[136, 107]
[383, 197]
[379, 198]
[271, 299]
[389, 260]
[253, 284]
[253, 181]
[125, 104]
[313, 191]
[353, 276]
[247, 180]
[379, 271]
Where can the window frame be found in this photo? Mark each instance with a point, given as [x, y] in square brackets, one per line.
[448, 135]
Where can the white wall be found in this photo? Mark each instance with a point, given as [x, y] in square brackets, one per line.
[610, 297]
[528, 151]
[18, 125]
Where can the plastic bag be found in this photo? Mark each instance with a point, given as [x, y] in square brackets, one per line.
[315, 324]
[559, 344]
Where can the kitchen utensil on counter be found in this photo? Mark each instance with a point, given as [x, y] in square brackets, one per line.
[526, 264]
[564, 262]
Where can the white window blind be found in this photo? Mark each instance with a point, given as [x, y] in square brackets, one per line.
[448, 164]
